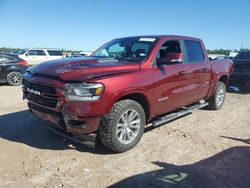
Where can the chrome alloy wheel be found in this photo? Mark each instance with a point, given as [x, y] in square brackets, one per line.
[128, 126]
[220, 96]
[15, 78]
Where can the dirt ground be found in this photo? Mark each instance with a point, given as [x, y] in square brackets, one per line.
[204, 148]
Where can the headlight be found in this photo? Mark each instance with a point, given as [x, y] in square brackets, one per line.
[83, 91]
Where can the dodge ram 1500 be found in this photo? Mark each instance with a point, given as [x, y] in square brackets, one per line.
[124, 85]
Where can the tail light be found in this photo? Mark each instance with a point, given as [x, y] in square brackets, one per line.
[23, 63]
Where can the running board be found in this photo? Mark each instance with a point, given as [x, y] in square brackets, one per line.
[175, 115]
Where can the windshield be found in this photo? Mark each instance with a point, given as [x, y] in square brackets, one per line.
[133, 49]
[20, 52]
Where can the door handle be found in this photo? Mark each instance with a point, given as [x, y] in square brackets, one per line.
[183, 73]
[205, 69]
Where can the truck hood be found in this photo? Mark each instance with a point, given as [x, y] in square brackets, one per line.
[83, 68]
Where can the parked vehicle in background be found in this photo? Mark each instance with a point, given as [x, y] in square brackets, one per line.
[241, 71]
[125, 84]
[77, 55]
[86, 53]
[80, 54]
[221, 57]
[213, 56]
[39, 55]
[11, 69]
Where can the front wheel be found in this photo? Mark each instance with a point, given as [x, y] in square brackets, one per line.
[14, 78]
[122, 128]
[217, 100]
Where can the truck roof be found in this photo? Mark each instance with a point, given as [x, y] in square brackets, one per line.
[37, 48]
[165, 36]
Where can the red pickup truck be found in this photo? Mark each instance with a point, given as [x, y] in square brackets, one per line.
[124, 85]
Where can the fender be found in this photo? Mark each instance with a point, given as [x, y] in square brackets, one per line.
[128, 91]
[214, 80]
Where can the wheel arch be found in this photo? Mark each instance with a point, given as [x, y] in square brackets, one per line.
[224, 78]
[138, 96]
[141, 99]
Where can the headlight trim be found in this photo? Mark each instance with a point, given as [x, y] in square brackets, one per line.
[77, 92]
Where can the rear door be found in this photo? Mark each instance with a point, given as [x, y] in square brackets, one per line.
[170, 78]
[199, 70]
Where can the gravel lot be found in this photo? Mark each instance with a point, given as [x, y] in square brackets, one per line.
[192, 151]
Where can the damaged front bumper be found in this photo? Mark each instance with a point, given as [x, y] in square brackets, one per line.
[79, 130]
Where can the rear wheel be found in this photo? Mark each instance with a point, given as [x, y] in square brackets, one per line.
[14, 78]
[217, 100]
[123, 127]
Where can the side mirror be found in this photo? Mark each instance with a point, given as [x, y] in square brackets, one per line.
[27, 54]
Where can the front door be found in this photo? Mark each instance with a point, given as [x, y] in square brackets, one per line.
[170, 78]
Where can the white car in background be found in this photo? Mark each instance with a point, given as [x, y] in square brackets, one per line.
[38, 55]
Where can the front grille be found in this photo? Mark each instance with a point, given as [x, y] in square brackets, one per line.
[39, 87]
[47, 93]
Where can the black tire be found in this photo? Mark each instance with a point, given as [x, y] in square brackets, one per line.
[109, 125]
[14, 78]
[214, 103]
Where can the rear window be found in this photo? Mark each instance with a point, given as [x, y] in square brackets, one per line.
[244, 55]
[5, 59]
[54, 53]
[194, 51]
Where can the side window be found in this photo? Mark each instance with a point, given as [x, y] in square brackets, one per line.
[170, 53]
[194, 51]
[54, 53]
[36, 53]
[31, 52]
[40, 52]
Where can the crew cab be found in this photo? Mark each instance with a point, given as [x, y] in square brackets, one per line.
[124, 85]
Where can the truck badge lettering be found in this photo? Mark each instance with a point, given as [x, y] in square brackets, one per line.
[33, 91]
